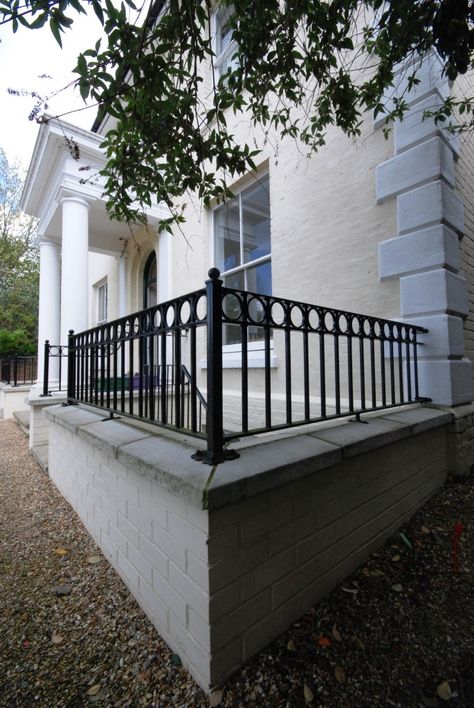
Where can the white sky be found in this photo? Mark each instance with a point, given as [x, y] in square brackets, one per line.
[24, 57]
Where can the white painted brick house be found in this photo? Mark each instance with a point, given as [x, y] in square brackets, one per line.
[224, 558]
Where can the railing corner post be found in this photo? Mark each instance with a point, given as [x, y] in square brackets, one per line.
[214, 423]
[46, 368]
[71, 367]
[15, 369]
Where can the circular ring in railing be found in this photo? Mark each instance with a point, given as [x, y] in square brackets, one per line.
[387, 331]
[296, 316]
[256, 310]
[185, 312]
[200, 308]
[170, 316]
[329, 321]
[156, 318]
[367, 327]
[377, 329]
[342, 324]
[313, 319]
[396, 332]
[232, 307]
[134, 326]
[355, 325]
[277, 313]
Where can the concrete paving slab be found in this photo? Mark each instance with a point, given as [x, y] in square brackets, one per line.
[269, 465]
[110, 434]
[71, 417]
[420, 419]
[357, 438]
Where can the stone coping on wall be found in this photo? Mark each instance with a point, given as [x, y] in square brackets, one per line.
[265, 462]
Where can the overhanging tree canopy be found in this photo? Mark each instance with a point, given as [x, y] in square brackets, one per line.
[300, 66]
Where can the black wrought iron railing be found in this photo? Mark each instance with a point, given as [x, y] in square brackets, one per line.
[18, 370]
[294, 363]
[53, 381]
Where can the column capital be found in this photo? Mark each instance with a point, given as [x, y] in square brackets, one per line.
[74, 199]
[44, 240]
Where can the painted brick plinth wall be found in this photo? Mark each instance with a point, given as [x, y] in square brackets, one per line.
[154, 540]
[220, 585]
[275, 555]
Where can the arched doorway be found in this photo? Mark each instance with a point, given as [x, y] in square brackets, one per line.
[150, 286]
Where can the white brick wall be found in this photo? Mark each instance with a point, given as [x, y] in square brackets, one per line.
[220, 584]
[330, 522]
[154, 540]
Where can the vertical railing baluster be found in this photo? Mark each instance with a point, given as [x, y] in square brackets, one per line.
[122, 368]
[408, 368]
[337, 375]
[392, 368]
[177, 373]
[382, 371]
[245, 373]
[306, 393]
[372, 367]
[400, 368]
[141, 364]
[114, 366]
[350, 380]
[415, 364]
[79, 364]
[193, 385]
[151, 375]
[268, 379]
[163, 381]
[131, 377]
[322, 369]
[362, 363]
[46, 369]
[288, 373]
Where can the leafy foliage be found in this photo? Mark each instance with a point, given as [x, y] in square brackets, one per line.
[299, 66]
[19, 269]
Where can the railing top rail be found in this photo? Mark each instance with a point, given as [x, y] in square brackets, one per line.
[280, 313]
[177, 313]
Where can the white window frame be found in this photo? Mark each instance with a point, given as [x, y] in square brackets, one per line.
[222, 60]
[102, 287]
[231, 353]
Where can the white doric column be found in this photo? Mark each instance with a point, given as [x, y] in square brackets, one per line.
[49, 304]
[75, 256]
[424, 255]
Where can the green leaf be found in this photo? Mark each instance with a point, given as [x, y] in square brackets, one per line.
[54, 27]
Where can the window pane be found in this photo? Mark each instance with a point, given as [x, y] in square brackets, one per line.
[256, 220]
[259, 278]
[227, 234]
[235, 280]
[102, 303]
[223, 31]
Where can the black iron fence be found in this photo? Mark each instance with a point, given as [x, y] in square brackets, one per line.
[54, 354]
[294, 363]
[18, 370]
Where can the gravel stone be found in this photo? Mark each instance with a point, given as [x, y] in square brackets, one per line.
[363, 646]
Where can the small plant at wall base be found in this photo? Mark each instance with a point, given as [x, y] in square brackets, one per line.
[19, 267]
[295, 68]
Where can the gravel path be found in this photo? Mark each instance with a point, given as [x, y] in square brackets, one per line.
[398, 632]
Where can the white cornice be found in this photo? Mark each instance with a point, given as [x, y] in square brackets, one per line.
[51, 162]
